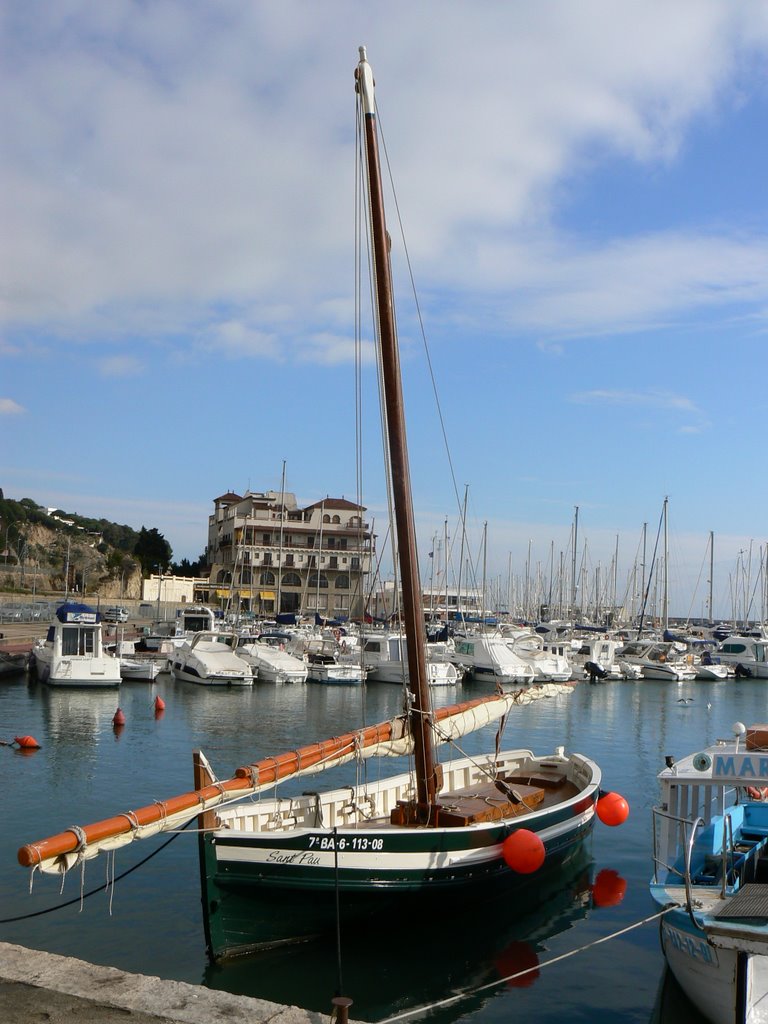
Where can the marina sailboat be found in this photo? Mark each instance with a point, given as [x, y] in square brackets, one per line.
[277, 869]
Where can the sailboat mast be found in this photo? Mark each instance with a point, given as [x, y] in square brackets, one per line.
[280, 550]
[413, 613]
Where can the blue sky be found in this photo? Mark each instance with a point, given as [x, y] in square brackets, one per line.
[582, 189]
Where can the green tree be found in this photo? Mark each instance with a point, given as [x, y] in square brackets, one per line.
[152, 550]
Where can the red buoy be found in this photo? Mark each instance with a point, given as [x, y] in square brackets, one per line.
[523, 851]
[612, 809]
[608, 889]
[119, 718]
[27, 742]
[159, 704]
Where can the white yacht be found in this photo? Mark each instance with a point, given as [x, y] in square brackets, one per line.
[491, 657]
[385, 659]
[547, 665]
[208, 658]
[72, 653]
[325, 661]
[747, 656]
[270, 661]
[657, 660]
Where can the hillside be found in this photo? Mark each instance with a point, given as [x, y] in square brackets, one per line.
[50, 551]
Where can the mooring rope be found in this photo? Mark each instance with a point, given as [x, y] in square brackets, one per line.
[528, 970]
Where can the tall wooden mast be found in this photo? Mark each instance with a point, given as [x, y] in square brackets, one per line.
[426, 784]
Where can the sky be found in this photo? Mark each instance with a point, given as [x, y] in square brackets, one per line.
[581, 190]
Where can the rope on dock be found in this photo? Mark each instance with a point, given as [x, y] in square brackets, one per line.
[528, 970]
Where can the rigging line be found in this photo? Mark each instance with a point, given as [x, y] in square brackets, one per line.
[528, 970]
[418, 310]
[84, 895]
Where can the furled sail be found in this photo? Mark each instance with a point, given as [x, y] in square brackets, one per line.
[63, 851]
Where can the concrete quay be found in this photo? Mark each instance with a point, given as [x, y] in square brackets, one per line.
[37, 986]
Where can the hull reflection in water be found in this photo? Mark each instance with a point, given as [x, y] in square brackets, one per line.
[474, 946]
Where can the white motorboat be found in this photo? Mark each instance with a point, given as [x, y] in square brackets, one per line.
[384, 657]
[270, 661]
[747, 656]
[209, 659]
[491, 657]
[547, 665]
[72, 653]
[656, 660]
[325, 661]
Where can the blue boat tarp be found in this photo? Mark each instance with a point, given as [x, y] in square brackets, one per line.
[72, 611]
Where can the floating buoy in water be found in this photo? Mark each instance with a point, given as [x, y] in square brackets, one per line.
[26, 742]
[523, 851]
[609, 888]
[612, 809]
[119, 718]
[159, 704]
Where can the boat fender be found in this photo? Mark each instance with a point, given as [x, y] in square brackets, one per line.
[756, 793]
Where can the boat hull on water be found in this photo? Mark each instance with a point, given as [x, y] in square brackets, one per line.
[272, 870]
[711, 876]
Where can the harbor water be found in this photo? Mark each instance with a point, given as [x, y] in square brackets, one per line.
[589, 950]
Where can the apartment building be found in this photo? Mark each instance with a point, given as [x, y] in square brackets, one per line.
[268, 555]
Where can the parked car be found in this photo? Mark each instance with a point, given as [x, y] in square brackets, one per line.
[115, 614]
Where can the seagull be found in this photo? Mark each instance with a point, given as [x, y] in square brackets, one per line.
[685, 700]
[709, 705]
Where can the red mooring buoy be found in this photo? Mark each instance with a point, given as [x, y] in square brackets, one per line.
[119, 718]
[27, 742]
[159, 704]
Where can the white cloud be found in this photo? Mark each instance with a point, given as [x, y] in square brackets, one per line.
[161, 165]
[10, 408]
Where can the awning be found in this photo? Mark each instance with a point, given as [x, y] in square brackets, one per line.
[222, 593]
[267, 595]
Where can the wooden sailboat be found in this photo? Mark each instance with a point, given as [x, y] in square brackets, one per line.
[281, 868]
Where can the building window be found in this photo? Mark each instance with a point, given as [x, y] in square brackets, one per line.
[291, 579]
[342, 581]
[267, 579]
[317, 580]
[266, 538]
[336, 520]
[326, 518]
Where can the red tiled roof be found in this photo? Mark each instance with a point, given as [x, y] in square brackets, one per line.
[339, 503]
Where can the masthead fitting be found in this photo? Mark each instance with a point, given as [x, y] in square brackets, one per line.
[364, 77]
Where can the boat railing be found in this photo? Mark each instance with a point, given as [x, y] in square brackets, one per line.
[687, 832]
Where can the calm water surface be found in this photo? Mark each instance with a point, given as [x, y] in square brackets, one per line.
[151, 921]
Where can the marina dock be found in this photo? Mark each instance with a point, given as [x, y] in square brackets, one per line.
[37, 986]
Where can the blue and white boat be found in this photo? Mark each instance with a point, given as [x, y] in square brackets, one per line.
[710, 850]
[72, 653]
